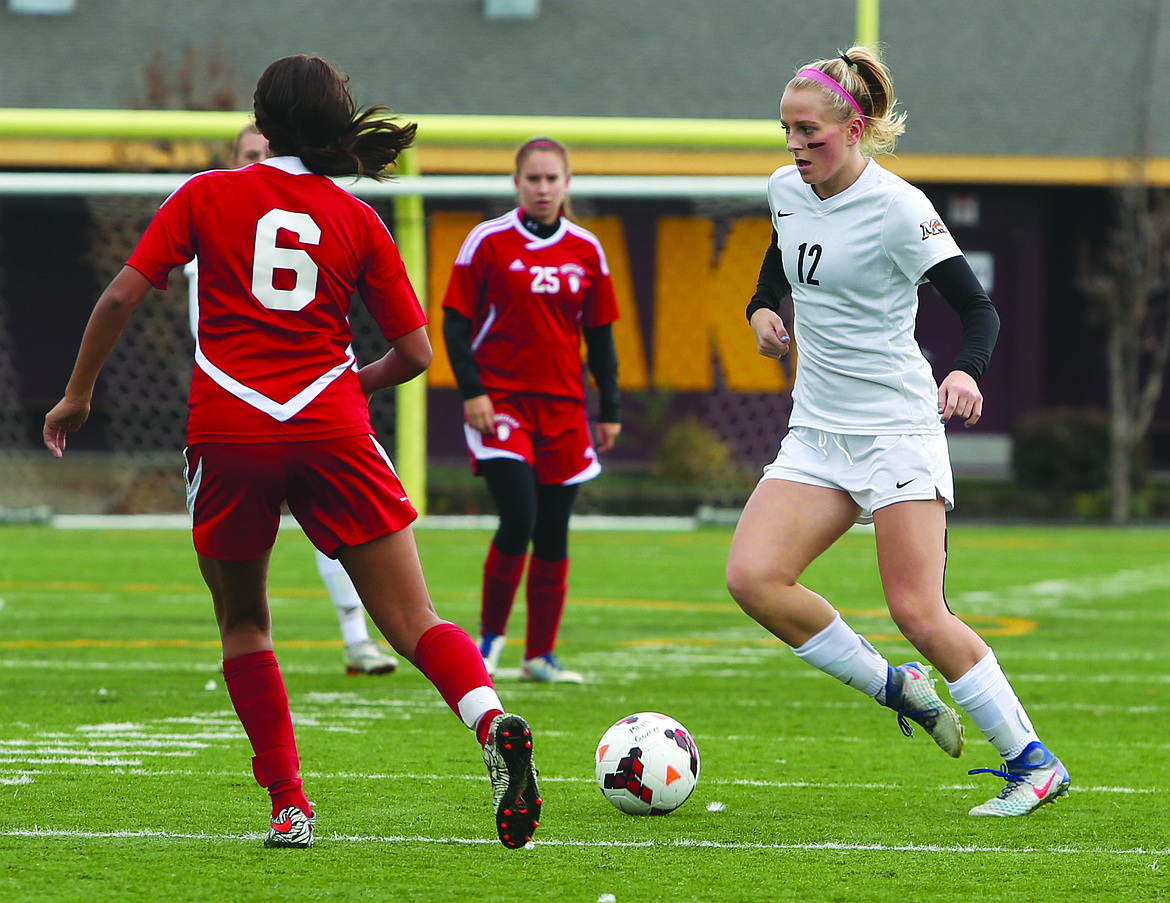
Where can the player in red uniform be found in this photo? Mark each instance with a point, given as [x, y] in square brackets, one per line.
[278, 414]
[362, 654]
[524, 288]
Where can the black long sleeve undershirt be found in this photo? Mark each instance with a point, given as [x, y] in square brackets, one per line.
[772, 286]
[953, 279]
[601, 354]
[961, 289]
[457, 335]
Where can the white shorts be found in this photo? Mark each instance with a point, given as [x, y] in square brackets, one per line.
[875, 470]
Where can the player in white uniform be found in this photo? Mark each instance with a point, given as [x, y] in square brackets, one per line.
[362, 654]
[866, 443]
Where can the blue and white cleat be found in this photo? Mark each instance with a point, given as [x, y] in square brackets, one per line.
[910, 692]
[491, 646]
[546, 669]
[1034, 778]
[366, 657]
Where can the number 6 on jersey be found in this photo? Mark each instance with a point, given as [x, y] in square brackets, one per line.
[268, 258]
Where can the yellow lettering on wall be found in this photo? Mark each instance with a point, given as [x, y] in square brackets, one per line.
[627, 331]
[446, 234]
[699, 307]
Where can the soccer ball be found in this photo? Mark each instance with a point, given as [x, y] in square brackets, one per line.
[647, 764]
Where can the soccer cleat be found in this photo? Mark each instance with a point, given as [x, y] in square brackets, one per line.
[546, 669]
[291, 829]
[1034, 778]
[910, 692]
[507, 753]
[491, 645]
[364, 657]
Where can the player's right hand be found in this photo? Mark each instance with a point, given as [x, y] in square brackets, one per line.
[480, 414]
[66, 417]
[772, 338]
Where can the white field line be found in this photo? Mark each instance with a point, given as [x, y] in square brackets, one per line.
[830, 846]
[137, 770]
[659, 660]
[212, 668]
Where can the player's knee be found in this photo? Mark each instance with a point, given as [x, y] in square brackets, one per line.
[916, 623]
[751, 582]
[515, 530]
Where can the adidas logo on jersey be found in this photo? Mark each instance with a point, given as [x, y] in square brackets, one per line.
[517, 266]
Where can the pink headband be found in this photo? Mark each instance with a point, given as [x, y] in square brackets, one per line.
[833, 85]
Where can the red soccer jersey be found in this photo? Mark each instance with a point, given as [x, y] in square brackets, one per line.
[527, 299]
[281, 253]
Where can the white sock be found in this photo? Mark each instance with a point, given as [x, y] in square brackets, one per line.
[840, 651]
[477, 703]
[350, 613]
[985, 694]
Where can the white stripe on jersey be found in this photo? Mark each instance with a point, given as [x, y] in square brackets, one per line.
[592, 239]
[476, 236]
[483, 330]
[511, 220]
[263, 403]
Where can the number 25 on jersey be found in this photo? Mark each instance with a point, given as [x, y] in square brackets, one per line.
[547, 281]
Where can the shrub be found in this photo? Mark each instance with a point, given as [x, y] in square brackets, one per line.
[1063, 449]
[692, 453]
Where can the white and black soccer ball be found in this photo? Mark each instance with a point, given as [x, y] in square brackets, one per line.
[647, 764]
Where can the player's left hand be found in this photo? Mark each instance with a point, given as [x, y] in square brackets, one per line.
[959, 396]
[66, 417]
[607, 434]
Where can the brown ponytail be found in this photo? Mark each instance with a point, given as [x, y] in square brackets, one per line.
[304, 108]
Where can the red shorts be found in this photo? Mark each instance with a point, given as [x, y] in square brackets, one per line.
[342, 492]
[550, 434]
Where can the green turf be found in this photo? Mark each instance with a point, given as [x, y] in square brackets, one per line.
[124, 774]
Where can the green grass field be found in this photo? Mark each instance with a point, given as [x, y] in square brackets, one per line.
[124, 774]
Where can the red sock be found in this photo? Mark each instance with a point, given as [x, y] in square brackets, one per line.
[449, 659]
[501, 577]
[257, 692]
[546, 601]
[485, 723]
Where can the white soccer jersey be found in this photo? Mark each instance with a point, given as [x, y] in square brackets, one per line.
[854, 262]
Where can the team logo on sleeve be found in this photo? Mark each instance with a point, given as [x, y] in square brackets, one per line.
[932, 227]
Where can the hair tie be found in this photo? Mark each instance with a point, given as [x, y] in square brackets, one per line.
[845, 57]
[833, 85]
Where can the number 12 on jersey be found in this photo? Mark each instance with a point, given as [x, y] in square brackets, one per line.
[814, 258]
